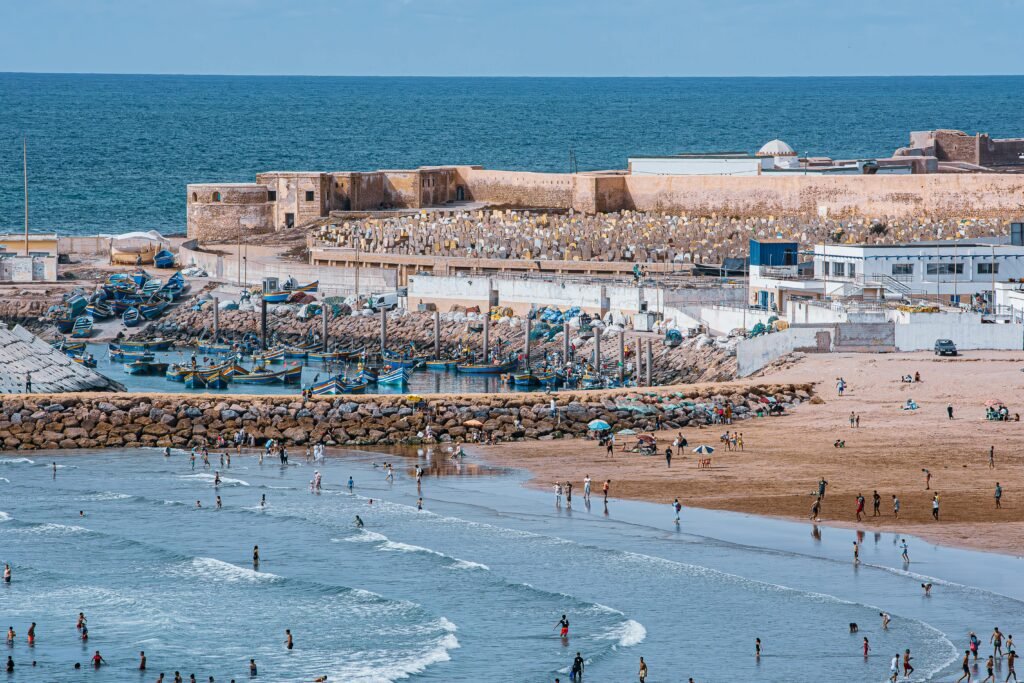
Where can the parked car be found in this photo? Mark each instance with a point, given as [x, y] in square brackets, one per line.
[945, 347]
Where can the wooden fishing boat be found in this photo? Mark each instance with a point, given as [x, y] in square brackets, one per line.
[213, 349]
[88, 362]
[281, 296]
[440, 365]
[295, 353]
[119, 355]
[163, 259]
[68, 347]
[216, 381]
[153, 310]
[176, 373]
[75, 305]
[331, 386]
[354, 388]
[367, 376]
[64, 325]
[548, 377]
[326, 357]
[82, 328]
[399, 376]
[485, 368]
[411, 362]
[131, 317]
[271, 356]
[524, 379]
[257, 376]
[590, 381]
[292, 375]
[194, 380]
[99, 311]
[145, 367]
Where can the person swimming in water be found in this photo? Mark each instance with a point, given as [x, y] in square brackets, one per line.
[350, 484]
[359, 522]
[263, 501]
[256, 556]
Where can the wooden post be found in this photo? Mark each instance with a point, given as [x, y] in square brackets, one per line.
[597, 350]
[216, 320]
[526, 343]
[565, 342]
[437, 335]
[650, 361]
[487, 335]
[383, 331]
[622, 357]
[263, 324]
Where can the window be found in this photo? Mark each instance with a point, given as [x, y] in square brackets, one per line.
[988, 268]
[945, 269]
[309, 195]
[271, 195]
[903, 269]
[216, 196]
[195, 196]
[851, 269]
[838, 269]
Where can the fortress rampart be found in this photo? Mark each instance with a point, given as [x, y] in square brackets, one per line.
[278, 200]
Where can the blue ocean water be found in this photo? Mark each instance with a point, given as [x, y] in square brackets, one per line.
[114, 153]
[469, 588]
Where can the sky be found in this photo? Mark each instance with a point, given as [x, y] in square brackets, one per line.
[514, 37]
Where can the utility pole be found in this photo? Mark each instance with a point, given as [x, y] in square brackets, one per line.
[24, 169]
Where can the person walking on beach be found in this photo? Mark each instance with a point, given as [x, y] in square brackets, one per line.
[866, 647]
[815, 509]
[668, 456]
[860, 507]
[852, 419]
[568, 495]
[895, 506]
[998, 495]
[607, 485]
[997, 642]
[288, 642]
[990, 666]
[904, 552]
[757, 648]
[822, 485]
[935, 506]
[563, 626]
[558, 495]
[351, 483]
[965, 664]
[586, 488]
[1011, 656]
[840, 386]
[927, 479]
[949, 410]
[886, 619]
[991, 457]
[677, 506]
[894, 668]
[876, 504]
[907, 667]
[642, 673]
[856, 553]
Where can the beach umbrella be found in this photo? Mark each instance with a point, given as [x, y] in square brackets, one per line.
[598, 425]
[473, 423]
[647, 437]
[704, 450]
[413, 398]
[626, 432]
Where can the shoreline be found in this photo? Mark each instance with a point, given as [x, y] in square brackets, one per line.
[783, 459]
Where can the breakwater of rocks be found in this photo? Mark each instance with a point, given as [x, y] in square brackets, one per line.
[101, 421]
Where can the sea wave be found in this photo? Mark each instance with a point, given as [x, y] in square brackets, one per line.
[224, 481]
[628, 633]
[16, 461]
[410, 665]
[219, 570]
[4, 516]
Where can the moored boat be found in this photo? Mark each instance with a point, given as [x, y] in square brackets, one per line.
[163, 259]
[484, 368]
[440, 365]
[82, 327]
[145, 367]
[398, 376]
[99, 311]
[131, 317]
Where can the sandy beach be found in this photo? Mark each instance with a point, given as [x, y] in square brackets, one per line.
[783, 458]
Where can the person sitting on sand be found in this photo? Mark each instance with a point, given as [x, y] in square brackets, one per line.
[910, 404]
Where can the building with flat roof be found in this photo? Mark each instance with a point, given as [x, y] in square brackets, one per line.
[38, 265]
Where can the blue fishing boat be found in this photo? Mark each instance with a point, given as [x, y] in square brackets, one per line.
[292, 375]
[99, 311]
[257, 376]
[440, 365]
[411, 362]
[163, 259]
[398, 376]
[68, 347]
[145, 367]
[87, 361]
[272, 356]
[281, 296]
[590, 381]
[158, 344]
[153, 310]
[326, 357]
[140, 278]
[354, 387]
[216, 381]
[524, 379]
[82, 327]
[64, 325]
[131, 317]
[213, 349]
[295, 353]
[194, 380]
[75, 305]
[119, 355]
[176, 373]
[485, 368]
[367, 376]
[328, 387]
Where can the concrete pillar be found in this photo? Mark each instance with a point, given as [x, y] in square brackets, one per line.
[622, 357]
[325, 312]
[565, 342]
[263, 324]
[650, 360]
[216, 320]
[526, 343]
[487, 335]
[437, 335]
[383, 331]
[597, 350]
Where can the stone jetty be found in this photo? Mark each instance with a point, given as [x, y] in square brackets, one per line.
[110, 421]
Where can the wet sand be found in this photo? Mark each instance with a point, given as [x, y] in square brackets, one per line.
[784, 457]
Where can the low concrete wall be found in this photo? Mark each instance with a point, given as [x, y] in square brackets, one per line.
[754, 354]
[333, 281]
[90, 421]
[967, 335]
[724, 319]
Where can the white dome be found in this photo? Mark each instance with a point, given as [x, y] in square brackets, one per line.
[776, 148]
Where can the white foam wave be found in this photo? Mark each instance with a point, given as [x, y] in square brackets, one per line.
[224, 481]
[629, 633]
[108, 495]
[16, 461]
[365, 536]
[57, 529]
[4, 516]
[219, 570]
[466, 564]
[5, 479]
[416, 663]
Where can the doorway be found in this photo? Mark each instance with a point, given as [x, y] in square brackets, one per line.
[460, 193]
[289, 220]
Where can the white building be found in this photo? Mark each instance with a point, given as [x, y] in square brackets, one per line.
[951, 271]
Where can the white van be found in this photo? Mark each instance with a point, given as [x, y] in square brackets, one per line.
[387, 302]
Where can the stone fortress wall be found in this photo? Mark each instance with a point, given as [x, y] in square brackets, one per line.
[278, 199]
